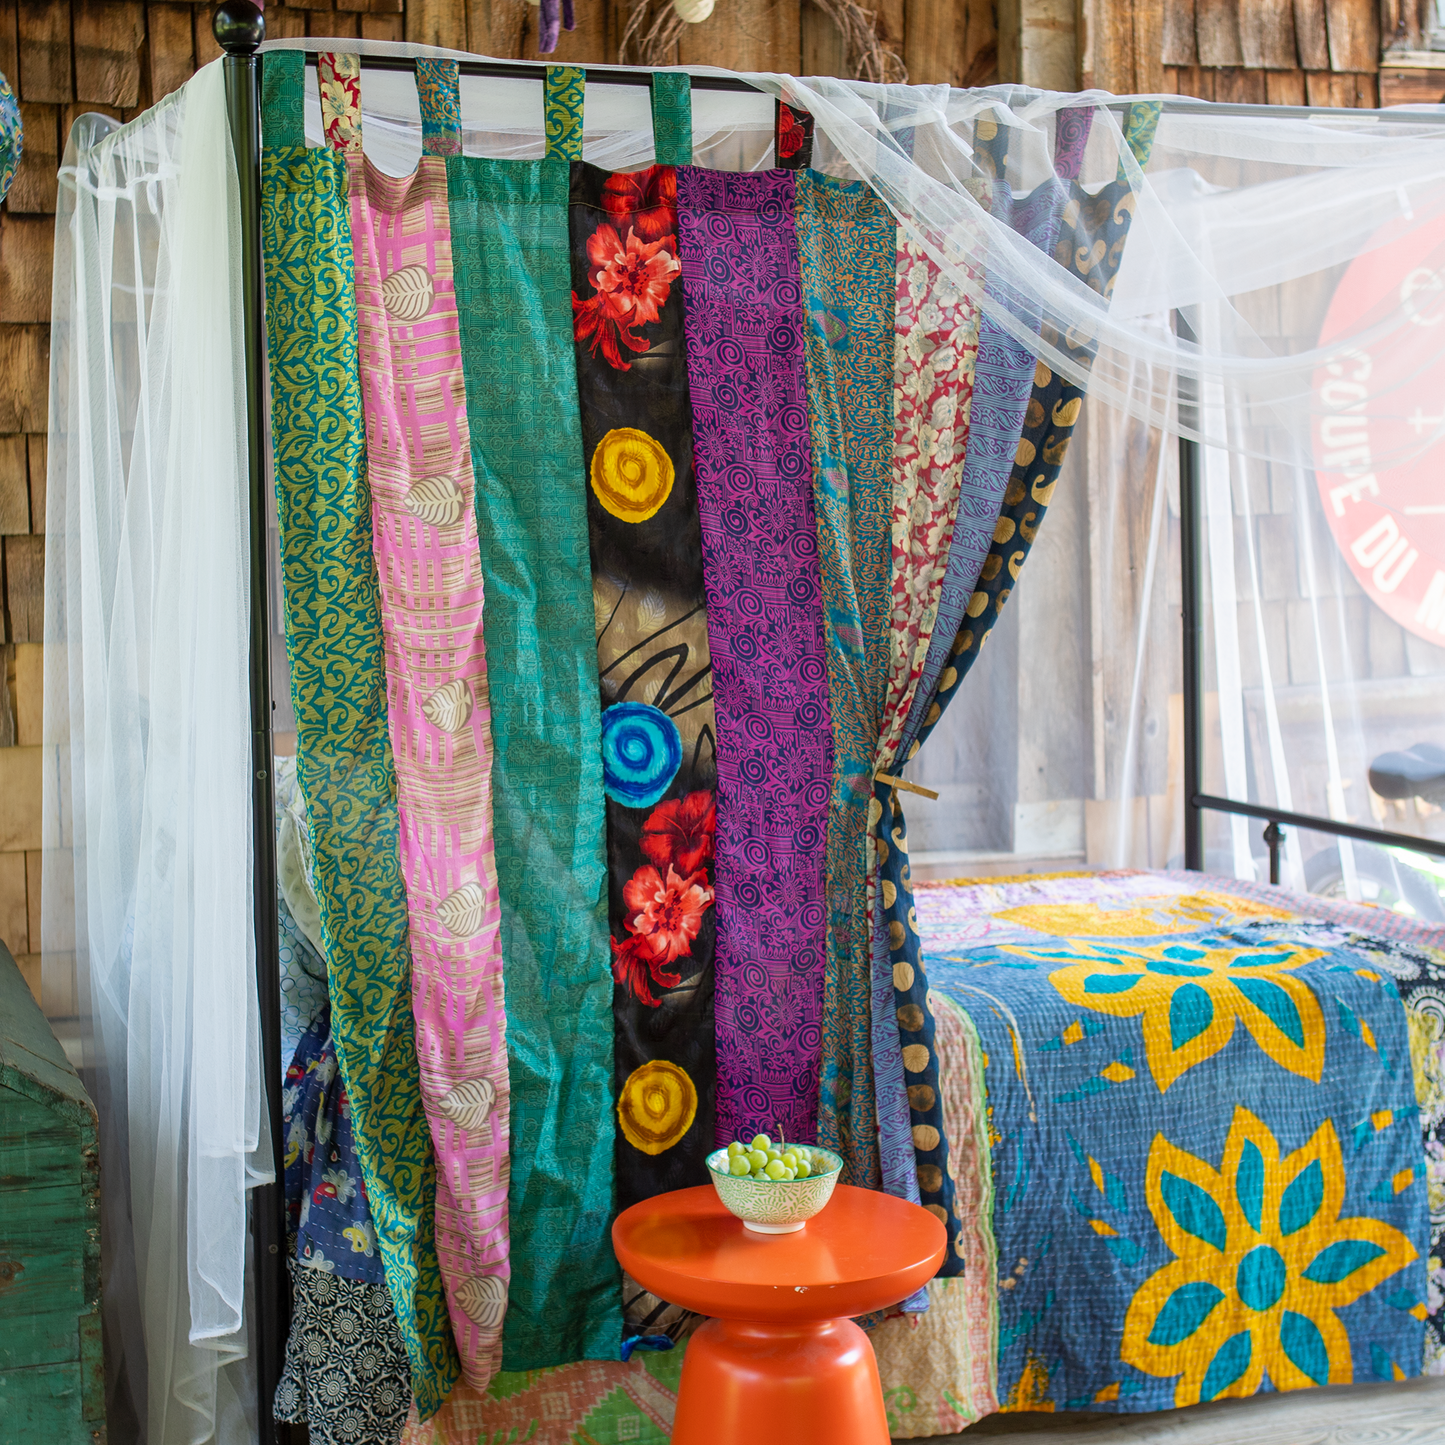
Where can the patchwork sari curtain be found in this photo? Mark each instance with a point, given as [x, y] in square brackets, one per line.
[510, 254]
[658, 737]
[744, 333]
[847, 242]
[1093, 231]
[937, 331]
[424, 538]
[999, 372]
[345, 762]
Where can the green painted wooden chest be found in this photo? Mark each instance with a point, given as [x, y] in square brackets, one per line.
[52, 1377]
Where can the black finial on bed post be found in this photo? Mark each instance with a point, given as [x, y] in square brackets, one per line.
[239, 27]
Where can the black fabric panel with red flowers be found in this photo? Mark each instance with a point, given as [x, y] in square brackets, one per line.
[659, 753]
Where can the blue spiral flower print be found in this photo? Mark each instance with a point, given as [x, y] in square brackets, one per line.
[641, 753]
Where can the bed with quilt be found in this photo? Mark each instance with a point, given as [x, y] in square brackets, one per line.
[1197, 1134]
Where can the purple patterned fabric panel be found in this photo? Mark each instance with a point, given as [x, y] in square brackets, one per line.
[740, 276]
[1071, 135]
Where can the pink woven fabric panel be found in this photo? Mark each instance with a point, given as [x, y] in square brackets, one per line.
[429, 567]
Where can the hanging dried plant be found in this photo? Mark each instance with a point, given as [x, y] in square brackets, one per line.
[867, 57]
[651, 34]
[654, 28]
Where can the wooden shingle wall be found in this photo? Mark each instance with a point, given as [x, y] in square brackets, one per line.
[1275, 52]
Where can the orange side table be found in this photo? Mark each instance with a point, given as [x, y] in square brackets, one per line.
[780, 1358]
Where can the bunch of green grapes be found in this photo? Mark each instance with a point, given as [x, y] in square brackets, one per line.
[762, 1160]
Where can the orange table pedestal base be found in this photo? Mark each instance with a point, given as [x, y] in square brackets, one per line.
[806, 1382]
[779, 1357]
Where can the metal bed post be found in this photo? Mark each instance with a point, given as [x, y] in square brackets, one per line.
[239, 28]
[1191, 612]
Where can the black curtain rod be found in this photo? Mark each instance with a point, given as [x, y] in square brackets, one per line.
[536, 70]
[612, 75]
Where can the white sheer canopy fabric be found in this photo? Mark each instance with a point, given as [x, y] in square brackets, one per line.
[149, 959]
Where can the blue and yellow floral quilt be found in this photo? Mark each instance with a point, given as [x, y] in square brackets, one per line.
[1209, 1171]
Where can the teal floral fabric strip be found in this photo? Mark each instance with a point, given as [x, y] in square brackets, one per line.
[510, 259]
[847, 242]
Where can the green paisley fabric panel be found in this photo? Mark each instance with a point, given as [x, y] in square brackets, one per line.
[562, 112]
[672, 118]
[1090, 244]
[338, 683]
[283, 98]
[510, 254]
[847, 241]
[1139, 129]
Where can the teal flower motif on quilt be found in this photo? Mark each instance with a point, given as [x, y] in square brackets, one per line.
[1262, 1263]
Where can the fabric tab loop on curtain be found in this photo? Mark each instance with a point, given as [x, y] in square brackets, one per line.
[283, 99]
[562, 111]
[672, 118]
[441, 107]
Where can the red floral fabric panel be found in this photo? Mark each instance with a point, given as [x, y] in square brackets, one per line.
[658, 742]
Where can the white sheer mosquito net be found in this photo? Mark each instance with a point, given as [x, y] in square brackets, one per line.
[149, 963]
[1306, 254]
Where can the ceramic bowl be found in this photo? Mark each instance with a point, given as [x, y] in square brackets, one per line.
[775, 1206]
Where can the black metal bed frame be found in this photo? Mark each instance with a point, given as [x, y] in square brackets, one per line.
[239, 29]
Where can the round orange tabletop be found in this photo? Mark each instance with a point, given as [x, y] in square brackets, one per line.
[864, 1251]
[780, 1351]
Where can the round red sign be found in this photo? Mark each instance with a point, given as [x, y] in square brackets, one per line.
[1379, 402]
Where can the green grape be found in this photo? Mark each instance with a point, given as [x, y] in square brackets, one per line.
[734, 1149]
[790, 1158]
[738, 1166]
[761, 1141]
[776, 1169]
[773, 1154]
[803, 1169]
[757, 1159]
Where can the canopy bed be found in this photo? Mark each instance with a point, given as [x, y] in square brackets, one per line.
[635, 464]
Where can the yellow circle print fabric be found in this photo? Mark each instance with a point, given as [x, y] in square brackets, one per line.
[632, 474]
[657, 1106]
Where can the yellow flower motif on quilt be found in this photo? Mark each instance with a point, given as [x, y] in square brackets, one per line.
[632, 474]
[1146, 918]
[1262, 1262]
[1190, 995]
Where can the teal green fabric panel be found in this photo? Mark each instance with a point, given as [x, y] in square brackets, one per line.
[671, 118]
[509, 250]
[344, 758]
[847, 244]
[283, 97]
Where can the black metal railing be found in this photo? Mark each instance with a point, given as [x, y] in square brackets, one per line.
[1309, 822]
